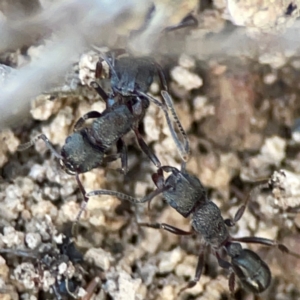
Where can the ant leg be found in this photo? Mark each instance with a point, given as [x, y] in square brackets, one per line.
[266, 242]
[189, 21]
[222, 263]
[231, 282]
[112, 157]
[122, 149]
[198, 273]
[100, 91]
[166, 227]
[238, 215]
[125, 197]
[158, 179]
[83, 205]
[24, 146]
[90, 115]
[146, 149]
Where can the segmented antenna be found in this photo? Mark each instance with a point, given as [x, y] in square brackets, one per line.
[183, 150]
[171, 107]
[25, 146]
[125, 197]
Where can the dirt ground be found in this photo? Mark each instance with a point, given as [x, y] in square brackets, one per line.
[236, 92]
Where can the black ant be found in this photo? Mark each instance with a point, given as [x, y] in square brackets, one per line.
[85, 149]
[185, 193]
[133, 76]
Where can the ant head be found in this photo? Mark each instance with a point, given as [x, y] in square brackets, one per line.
[78, 154]
[186, 194]
[252, 271]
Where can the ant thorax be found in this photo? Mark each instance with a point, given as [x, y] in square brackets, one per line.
[209, 223]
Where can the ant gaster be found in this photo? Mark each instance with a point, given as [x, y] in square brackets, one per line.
[186, 194]
[132, 76]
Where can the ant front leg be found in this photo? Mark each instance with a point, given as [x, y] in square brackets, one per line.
[146, 149]
[90, 115]
[138, 110]
[227, 265]
[101, 92]
[83, 205]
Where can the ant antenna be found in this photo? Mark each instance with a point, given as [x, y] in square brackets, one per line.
[25, 146]
[127, 197]
[183, 150]
[171, 107]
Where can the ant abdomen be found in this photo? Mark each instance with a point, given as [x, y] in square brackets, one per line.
[252, 271]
